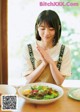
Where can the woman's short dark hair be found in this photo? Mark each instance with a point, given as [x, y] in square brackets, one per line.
[52, 19]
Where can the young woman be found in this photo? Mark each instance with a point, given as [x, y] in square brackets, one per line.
[49, 63]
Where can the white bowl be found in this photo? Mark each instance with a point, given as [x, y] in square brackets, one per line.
[35, 101]
[6, 90]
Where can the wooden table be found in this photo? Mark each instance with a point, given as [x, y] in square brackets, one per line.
[64, 104]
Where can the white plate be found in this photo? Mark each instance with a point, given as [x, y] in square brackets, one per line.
[74, 93]
[6, 90]
[35, 101]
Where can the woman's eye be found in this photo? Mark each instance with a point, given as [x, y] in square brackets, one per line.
[42, 28]
[51, 28]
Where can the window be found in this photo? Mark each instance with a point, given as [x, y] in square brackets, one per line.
[21, 19]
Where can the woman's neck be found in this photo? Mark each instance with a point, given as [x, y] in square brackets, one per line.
[47, 45]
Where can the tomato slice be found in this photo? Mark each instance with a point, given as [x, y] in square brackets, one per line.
[34, 91]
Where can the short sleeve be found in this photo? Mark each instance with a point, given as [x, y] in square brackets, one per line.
[66, 63]
[27, 67]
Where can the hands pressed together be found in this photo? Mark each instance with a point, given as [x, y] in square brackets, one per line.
[45, 57]
[46, 60]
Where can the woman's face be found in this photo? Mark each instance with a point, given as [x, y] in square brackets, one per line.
[46, 32]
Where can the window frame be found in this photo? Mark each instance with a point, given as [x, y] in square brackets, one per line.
[3, 43]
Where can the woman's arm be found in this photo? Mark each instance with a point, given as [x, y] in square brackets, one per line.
[54, 70]
[36, 73]
[56, 73]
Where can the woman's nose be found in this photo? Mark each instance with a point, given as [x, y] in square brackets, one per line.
[47, 32]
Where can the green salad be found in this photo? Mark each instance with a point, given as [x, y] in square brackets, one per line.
[40, 92]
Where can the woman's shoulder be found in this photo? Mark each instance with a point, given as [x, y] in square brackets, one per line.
[64, 45]
[29, 44]
[33, 43]
[66, 48]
